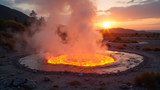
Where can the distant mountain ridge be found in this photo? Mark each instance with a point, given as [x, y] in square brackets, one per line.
[153, 31]
[122, 30]
[8, 13]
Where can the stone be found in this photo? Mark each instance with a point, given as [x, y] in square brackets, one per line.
[18, 81]
[34, 71]
[1, 77]
[139, 88]
[8, 83]
[101, 83]
[80, 74]
[3, 56]
[56, 86]
[5, 83]
[11, 88]
[125, 86]
[86, 79]
[46, 79]
[20, 72]
[29, 84]
[12, 74]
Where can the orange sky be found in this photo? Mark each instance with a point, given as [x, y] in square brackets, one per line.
[132, 14]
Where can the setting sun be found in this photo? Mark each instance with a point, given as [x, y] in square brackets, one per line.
[106, 25]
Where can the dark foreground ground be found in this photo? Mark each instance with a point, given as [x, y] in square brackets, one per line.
[14, 76]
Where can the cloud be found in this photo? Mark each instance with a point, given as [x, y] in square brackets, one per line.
[7, 2]
[100, 11]
[136, 1]
[141, 11]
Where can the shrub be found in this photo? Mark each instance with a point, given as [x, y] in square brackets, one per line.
[124, 45]
[146, 48]
[10, 42]
[120, 47]
[156, 49]
[2, 39]
[117, 38]
[74, 83]
[2, 23]
[148, 80]
[15, 26]
[137, 47]
[55, 87]
[3, 56]
[101, 88]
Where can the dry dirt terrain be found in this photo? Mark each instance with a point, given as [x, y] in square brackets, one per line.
[14, 76]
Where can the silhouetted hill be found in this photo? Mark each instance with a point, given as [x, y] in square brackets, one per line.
[153, 31]
[122, 30]
[8, 13]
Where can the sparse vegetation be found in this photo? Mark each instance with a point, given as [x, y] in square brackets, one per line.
[156, 48]
[54, 87]
[120, 40]
[117, 39]
[2, 23]
[74, 83]
[122, 46]
[149, 80]
[101, 88]
[137, 47]
[1, 63]
[15, 26]
[144, 34]
[7, 41]
[11, 29]
[3, 56]
[146, 48]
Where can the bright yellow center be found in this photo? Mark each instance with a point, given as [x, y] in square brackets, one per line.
[85, 60]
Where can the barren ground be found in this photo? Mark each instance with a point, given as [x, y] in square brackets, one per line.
[9, 70]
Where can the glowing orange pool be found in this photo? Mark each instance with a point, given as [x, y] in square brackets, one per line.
[81, 60]
[86, 63]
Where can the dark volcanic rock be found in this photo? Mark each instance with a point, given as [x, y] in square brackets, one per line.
[17, 84]
[56, 86]
[5, 83]
[20, 72]
[125, 86]
[30, 84]
[18, 81]
[46, 79]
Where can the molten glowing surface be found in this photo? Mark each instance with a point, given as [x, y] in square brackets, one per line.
[85, 60]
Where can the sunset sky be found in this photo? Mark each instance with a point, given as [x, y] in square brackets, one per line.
[132, 14]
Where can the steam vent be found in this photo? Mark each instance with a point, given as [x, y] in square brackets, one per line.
[110, 62]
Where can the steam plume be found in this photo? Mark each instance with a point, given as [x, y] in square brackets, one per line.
[77, 36]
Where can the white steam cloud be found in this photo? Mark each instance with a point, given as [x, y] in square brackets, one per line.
[77, 36]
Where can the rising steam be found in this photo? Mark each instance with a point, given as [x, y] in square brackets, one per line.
[76, 36]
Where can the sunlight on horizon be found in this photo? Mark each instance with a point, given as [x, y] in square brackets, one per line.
[105, 24]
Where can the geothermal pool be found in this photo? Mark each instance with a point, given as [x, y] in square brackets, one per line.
[123, 62]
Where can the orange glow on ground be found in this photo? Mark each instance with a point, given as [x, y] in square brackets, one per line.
[85, 60]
